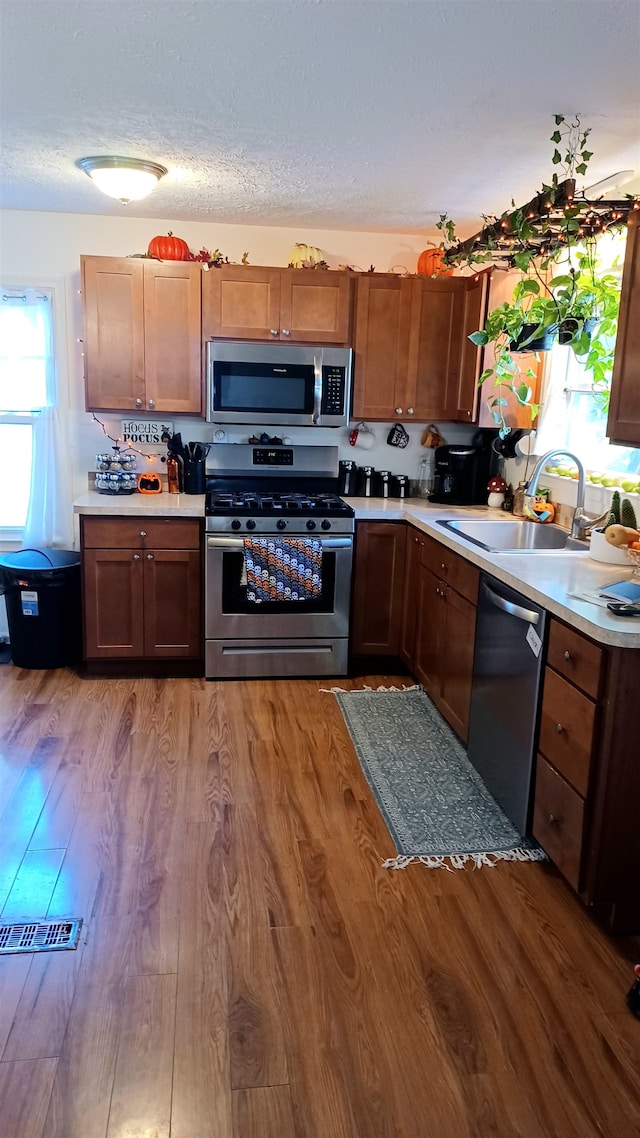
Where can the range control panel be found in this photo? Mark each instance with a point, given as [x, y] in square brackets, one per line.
[272, 456]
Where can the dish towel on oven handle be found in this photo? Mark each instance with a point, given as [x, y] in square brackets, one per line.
[283, 568]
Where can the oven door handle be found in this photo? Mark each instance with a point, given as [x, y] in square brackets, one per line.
[238, 542]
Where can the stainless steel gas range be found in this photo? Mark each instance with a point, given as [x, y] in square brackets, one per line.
[279, 493]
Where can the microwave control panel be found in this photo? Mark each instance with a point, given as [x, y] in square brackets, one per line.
[333, 390]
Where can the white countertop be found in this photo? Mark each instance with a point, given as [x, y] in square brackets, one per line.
[140, 505]
[548, 578]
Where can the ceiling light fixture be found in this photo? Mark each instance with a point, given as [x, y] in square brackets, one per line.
[127, 179]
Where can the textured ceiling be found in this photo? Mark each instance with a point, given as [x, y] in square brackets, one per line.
[373, 115]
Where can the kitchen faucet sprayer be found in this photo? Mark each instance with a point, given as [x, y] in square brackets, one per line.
[581, 521]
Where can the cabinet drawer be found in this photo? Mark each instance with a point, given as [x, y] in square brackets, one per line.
[566, 729]
[575, 657]
[450, 567]
[558, 821]
[140, 533]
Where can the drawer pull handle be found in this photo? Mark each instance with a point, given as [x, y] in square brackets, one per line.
[143, 533]
[567, 655]
[559, 728]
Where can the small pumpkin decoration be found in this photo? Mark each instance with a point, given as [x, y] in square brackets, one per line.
[305, 256]
[430, 264]
[168, 248]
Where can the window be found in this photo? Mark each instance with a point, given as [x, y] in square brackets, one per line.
[27, 386]
[573, 414]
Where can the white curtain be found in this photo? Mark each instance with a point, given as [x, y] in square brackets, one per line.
[49, 520]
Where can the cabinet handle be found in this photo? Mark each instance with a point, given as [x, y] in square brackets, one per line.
[552, 820]
[559, 728]
[286, 332]
[152, 404]
[149, 556]
[443, 566]
[398, 410]
[409, 410]
[136, 557]
[567, 655]
[143, 533]
[274, 331]
[138, 403]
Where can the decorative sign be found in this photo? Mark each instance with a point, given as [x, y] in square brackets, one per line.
[145, 431]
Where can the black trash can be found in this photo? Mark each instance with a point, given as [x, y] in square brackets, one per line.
[42, 593]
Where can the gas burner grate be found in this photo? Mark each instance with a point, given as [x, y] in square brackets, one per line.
[40, 936]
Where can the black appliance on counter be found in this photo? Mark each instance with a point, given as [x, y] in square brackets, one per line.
[399, 486]
[347, 477]
[364, 481]
[462, 471]
[381, 483]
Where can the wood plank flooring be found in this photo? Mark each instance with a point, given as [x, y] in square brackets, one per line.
[246, 968]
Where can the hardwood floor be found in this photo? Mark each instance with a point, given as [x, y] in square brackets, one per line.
[247, 969]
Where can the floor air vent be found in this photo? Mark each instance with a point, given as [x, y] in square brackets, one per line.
[40, 936]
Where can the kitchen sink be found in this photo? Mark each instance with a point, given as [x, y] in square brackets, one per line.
[514, 536]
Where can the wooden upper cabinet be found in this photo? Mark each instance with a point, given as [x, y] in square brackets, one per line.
[142, 338]
[172, 320]
[383, 321]
[413, 356]
[241, 303]
[245, 303]
[113, 301]
[315, 306]
[624, 412]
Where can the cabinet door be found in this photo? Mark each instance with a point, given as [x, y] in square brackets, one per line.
[457, 661]
[377, 589]
[113, 603]
[172, 603]
[430, 627]
[436, 346]
[241, 303]
[383, 315]
[467, 394]
[415, 540]
[173, 353]
[113, 302]
[623, 425]
[315, 306]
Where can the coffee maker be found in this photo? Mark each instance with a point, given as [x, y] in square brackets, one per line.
[462, 472]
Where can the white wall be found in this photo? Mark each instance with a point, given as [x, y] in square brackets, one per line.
[45, 249]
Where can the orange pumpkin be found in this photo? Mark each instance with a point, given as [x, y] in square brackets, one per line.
[168, 248]
[430, 264]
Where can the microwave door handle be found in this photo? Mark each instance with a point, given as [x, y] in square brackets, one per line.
[317, 388]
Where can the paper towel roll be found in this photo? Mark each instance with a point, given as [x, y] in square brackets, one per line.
[527, 444]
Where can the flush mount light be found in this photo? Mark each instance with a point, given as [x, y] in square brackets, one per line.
[127, 179]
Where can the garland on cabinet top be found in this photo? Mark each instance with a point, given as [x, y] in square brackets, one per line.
[562, 294]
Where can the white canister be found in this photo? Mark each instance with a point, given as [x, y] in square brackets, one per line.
[600, 550]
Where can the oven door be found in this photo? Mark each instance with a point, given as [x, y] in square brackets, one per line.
[229, 615]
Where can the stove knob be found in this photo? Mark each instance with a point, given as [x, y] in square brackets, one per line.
[235, 524]
[311, 524]
[281, 524]
[325, 524]
[251, 524]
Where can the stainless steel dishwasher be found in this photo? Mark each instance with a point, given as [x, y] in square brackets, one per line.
[505, 696]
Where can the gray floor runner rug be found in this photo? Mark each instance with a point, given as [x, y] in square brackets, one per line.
[436, 807]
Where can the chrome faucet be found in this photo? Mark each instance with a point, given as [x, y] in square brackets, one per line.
[581, 521]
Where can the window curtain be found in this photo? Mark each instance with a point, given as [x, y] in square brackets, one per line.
[49, 521]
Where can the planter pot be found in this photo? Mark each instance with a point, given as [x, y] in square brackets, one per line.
[600, 550]
[542, 343]
[570, 326]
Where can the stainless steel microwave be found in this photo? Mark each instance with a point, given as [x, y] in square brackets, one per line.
[278, 384]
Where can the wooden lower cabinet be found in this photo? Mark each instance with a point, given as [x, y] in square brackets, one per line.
[378, 581]
[141, 601]
[586, 802]
[443, 660]
[408, 625]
